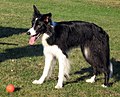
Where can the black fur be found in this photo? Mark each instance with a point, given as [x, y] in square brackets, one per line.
[78, 33]
[69, 34]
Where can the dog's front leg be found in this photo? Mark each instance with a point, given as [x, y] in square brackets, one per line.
[61, 72]
[48, 60]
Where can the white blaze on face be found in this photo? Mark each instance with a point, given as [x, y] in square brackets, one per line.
[32, 30]
[32, 34]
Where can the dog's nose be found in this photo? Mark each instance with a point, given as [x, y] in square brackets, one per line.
[28, 33]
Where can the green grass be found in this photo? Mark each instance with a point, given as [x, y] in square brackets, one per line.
[20, 63]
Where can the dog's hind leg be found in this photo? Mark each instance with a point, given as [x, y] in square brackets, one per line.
[106, 80]
[48, 61]
[93, 78]
[108, 74]
[108, 71]
[87, 55]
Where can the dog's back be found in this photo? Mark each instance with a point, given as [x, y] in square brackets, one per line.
[76, 33]
[92, 39]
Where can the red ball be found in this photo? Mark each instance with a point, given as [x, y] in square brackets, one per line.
[10, 88]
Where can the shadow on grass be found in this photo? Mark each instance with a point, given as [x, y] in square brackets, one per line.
[9, 31]
[17, 89]
[3, 43]
[17, 52]
[116, 69]
[81, 72]
[20, 52]
[116, 73]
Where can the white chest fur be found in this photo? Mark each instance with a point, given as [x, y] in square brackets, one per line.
[51, 49]
[44, 42]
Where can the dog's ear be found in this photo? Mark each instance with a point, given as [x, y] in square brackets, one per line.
[36, 12]
[47, 17]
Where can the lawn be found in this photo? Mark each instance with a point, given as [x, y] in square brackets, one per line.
[21, 63]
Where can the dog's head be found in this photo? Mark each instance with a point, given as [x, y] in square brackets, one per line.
[40, 24]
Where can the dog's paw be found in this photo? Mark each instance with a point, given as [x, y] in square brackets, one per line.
[58, 86]
[37, 82]
[104, 86]
[90, 80]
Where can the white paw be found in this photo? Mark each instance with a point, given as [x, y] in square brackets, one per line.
[37, 82]
[90, 80]
[58, 86]
[104, 86]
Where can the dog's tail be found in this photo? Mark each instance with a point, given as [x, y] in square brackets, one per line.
[111, 69]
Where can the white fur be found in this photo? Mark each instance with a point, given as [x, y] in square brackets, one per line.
[91, 80]
[111, 69]
[104, 86]
[51, 68]
[87, 52]
[66, 69]
[50, 53]
[32, 30]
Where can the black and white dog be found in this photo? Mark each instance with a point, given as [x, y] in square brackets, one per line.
[59, 37]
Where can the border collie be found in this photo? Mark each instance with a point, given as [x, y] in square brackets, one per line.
[59, 37]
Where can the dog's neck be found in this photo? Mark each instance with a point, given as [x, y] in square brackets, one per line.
[48, 33]
[53, 24]
[45, 36]
[50, 30]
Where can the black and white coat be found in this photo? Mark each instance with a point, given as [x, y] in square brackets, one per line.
[58, 40]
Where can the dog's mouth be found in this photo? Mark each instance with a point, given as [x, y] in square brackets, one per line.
[33, 39]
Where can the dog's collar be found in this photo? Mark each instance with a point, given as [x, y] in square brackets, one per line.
[53, 24]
